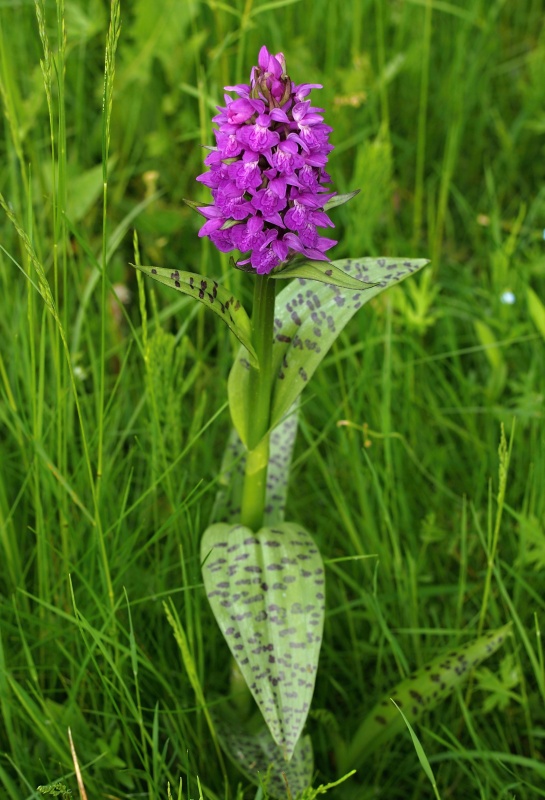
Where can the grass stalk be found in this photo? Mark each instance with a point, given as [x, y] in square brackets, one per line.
[422, 124]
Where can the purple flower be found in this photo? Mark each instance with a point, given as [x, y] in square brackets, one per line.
[258, 136]
[267, 170]
[246, 173]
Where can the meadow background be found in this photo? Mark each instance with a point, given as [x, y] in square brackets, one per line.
[112, 406]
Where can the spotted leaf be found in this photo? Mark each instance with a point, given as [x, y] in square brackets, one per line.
[228, 497]
[278, 472]
[308, 318]
[213, 296]
[420, 692]
[267, 593]
[262, 761]
[56, 789]
[324, 272]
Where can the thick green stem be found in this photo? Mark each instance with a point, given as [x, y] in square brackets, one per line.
[255, 478]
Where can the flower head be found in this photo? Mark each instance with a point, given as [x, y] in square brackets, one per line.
[267, 171]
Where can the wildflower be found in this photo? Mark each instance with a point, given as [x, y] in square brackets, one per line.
[267, 170]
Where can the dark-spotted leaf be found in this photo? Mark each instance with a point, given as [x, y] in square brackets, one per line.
[309, 316]
[229, 495]
[228, 498]
[262, 761]
[278, 473]
[215, 297]
[267, 593]
[56, 789]
[324, 272]
[420, 692]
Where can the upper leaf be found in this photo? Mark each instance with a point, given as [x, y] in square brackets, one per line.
[215, 297]
[309, 316]
[323, 271]
[308, 319]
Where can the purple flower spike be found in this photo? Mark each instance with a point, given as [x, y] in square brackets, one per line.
[267, 170]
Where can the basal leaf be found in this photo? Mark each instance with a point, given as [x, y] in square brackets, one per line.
[262, 761]
[229, 495]
[323, 271]
[267, 593]
[215, 297]
[420, 692]
[308, 318]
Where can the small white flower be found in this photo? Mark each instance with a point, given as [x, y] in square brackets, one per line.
[508, 298]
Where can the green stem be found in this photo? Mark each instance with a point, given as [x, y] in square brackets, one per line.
[257, 461]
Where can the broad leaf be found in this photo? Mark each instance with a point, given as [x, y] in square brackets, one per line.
[262, 761]
[267, 593]
[215, 297]
[420, 692]
[309, 316]
[323, 271]
[229, 495]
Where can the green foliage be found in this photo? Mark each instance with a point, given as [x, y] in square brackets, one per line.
[262, 761]
[420, 752]
[228, 499]
[56, 789]
[215, 297]
[267, 592]
[438, 116]
[322, 271]
[499, 685]
[420, 692]
[308, 320]
[311, 793]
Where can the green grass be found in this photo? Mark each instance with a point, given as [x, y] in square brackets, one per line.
[112, 406]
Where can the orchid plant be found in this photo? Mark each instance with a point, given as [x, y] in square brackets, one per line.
[264, 576]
